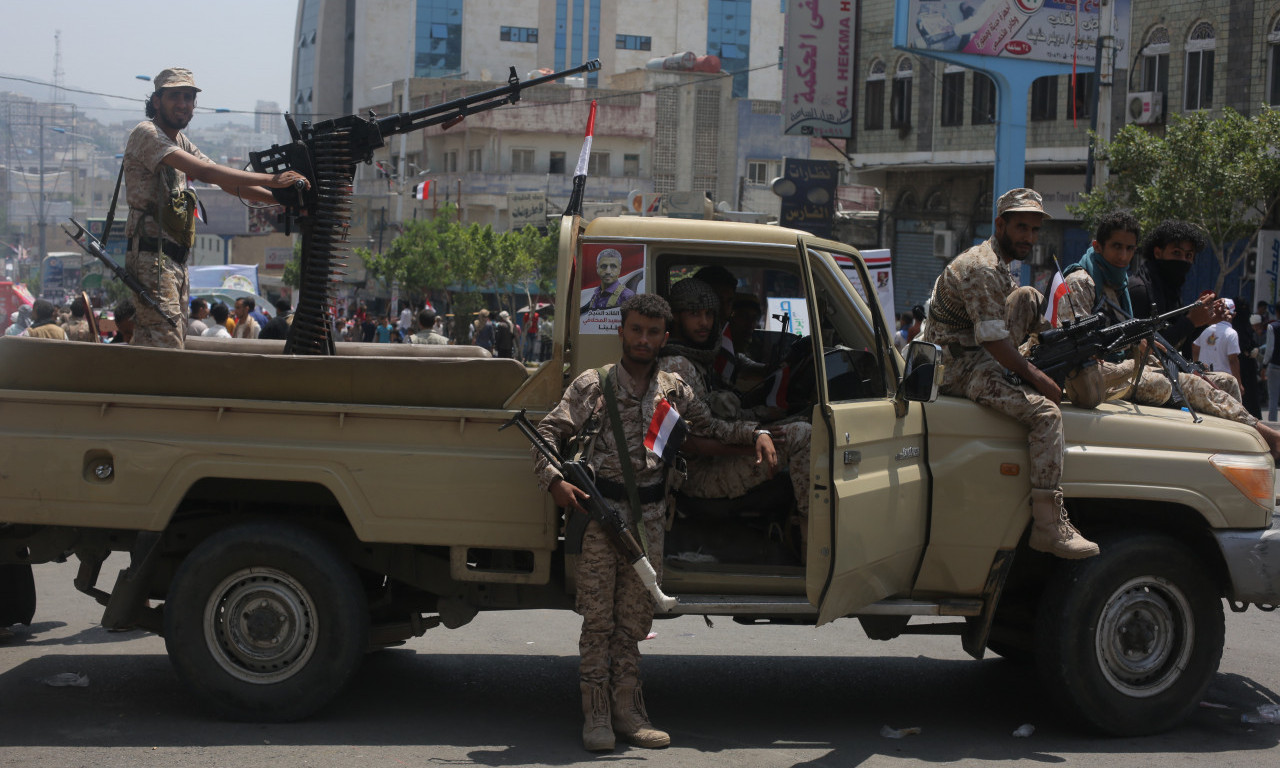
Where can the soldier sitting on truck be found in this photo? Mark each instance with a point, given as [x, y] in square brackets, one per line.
[978, 318]
[1106, 264]
[616, 608]
[718, 471]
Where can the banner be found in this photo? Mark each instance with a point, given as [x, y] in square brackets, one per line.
[611, 274]
[808, 192]
[818, 91]
[525, 208]
[1266, 283]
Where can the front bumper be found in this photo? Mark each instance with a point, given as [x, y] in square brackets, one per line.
[1253, 562]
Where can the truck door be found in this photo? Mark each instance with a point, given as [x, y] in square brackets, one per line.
[869, 508]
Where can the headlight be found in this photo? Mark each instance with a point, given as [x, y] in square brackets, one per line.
[1251, 475]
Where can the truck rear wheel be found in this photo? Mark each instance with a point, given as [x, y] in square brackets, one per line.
[266, 622]
[1133, 636]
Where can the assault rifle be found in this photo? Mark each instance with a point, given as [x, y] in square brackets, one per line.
[579, 474]
[1061, 350]
[92, 246]
[326, 153]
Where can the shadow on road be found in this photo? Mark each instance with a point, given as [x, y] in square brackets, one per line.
[508, 710]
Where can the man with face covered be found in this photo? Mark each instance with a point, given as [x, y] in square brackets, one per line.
[979, 317]
[611, 292]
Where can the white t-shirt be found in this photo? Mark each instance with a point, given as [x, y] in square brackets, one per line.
[1216, 344]
[406, 319]
[217, 330]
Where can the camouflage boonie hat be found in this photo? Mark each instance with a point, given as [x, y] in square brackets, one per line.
[692, 294]
[1021, 200]
[175, 77]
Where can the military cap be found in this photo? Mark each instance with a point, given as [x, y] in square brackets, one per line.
[175, 77]
[691, 294]
[1021, 200]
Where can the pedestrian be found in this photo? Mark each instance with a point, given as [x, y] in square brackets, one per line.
[979, 319]
[426, 333]
[382, 334]
[278, 326]
[246, 326]
[124, 314]
[546, 332]
[405, 323]
[1250, 386]
[196, 326]
[45, 324]
[158, 161]
[219, 313]
[616, 608]
[504, 336]
[78, 329]
[19, 321]
[1218, 346]
[484, 331]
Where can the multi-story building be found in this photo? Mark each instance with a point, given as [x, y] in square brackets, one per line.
[925, 130]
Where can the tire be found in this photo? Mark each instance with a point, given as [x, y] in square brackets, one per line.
[1129, 640]
[17, 594]
[302, 628]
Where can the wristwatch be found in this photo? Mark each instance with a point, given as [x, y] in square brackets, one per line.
[756, 435]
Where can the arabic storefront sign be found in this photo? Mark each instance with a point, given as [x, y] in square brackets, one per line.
[808, 192]
[1038, 30]
[817, 84]
[527, 208]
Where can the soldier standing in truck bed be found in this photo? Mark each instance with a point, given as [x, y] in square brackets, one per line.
[617, 610]
[979, 318]
[158, 161]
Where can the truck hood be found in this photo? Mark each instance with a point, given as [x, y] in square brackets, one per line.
[1122, 424]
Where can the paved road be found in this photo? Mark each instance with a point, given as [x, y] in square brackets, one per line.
[501, 692]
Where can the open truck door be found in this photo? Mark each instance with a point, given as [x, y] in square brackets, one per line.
[869, 512]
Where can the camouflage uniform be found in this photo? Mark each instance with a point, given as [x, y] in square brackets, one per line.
[1209, 395]
[729, 477]
[147, 182]
[976, 300]
[616, 609]
[78, 330]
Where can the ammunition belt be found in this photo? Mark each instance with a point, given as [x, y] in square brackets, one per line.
[947, 314]
[649, 494]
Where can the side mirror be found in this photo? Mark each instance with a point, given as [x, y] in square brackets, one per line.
[922, 375]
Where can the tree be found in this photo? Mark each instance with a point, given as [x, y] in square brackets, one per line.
[1221, 174]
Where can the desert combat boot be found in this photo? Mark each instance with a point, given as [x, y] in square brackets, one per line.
[631, 722]
[1052, 531]
[597, 734]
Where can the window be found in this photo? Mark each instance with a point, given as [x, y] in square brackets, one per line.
[1155, 61]
[631, 165]
[522, 161]
[598, 165]
[438, 38]
[874, 112]
[451, 162]
[1044, 98]
[1083, 96]
[953, 97]
[900, 101]
[518, 34]
[1273, 63]
[729, 37]
[633, 43]
[761, 173]
[556, 163]
[473, 161]
[1200, 45]
[983, 111]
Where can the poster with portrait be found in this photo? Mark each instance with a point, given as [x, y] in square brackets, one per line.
[611, 274]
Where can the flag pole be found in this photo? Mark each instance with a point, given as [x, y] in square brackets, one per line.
[580, 173]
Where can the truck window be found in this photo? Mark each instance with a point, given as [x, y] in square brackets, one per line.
[855, 363]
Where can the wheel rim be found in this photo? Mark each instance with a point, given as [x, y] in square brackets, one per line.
[1145, 636]
[260, 625]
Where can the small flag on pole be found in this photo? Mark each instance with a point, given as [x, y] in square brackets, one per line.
[574, 208]
[422, 191]
[777, 397]
[201, 213]
[666, 432]
[1057, 289]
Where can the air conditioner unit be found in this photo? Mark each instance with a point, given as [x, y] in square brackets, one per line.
[1146, 107]
[944, 244]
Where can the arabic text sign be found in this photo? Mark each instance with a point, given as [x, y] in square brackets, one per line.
[817, 85]
[527, 208]
[1039, 30]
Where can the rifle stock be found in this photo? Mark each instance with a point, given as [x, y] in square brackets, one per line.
[619, 533]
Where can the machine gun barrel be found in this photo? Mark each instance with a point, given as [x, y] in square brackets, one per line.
[614, 526]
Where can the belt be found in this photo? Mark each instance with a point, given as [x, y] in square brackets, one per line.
[957, 350]
[151, 245]
[649, 494]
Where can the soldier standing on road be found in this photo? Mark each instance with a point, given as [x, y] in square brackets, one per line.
[616, 609]
[979, 318]
[158, 161]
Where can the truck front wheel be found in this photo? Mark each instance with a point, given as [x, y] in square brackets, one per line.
[266, 622]
[1129, 640]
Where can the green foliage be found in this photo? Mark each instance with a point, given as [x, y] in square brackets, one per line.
[292, 275]
[1221, 174]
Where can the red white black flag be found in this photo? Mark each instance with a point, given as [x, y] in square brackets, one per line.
[666, 432]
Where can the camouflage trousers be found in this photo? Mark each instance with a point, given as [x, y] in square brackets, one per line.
[616, 609]
[167, 282]
[728, 477]
[978, 377]
[1214, 394]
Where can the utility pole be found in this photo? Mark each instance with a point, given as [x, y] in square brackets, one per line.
[1096, 171]
[42, 219]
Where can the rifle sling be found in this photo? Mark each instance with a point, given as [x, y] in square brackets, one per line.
[607, 382]
[111, 212]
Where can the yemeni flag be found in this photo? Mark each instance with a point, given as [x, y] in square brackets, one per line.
[666, 432]
[1057, 289]
[777, 397]
[725, 356]
[580, 173]
[422, 191]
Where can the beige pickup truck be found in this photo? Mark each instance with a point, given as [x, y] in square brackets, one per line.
[284, 515]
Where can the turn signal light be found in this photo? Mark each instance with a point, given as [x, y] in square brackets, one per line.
[1251, 475]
